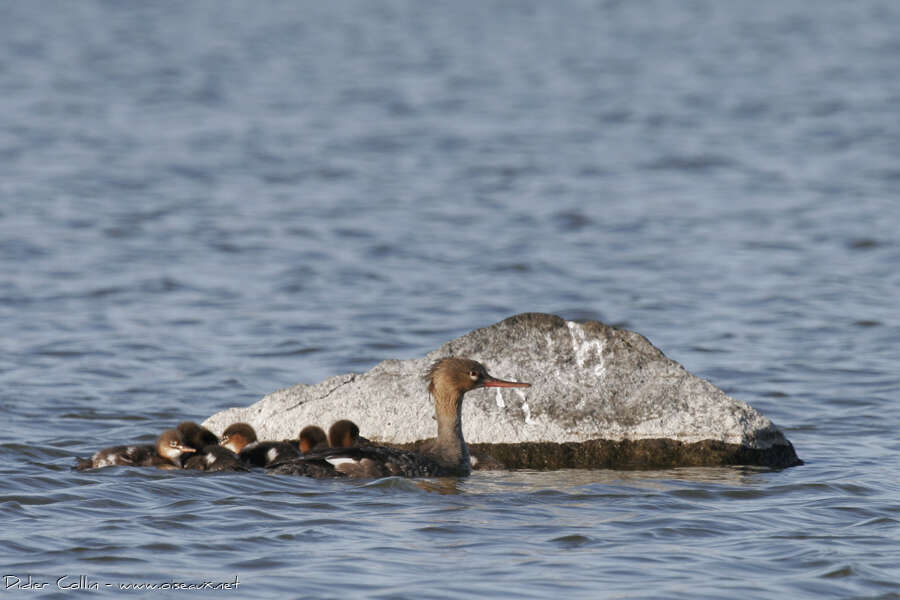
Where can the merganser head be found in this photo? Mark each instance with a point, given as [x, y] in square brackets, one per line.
[312, 437]
[196, 436]
[171, 445]
[238, 435]
[343, 434]
[460, 375]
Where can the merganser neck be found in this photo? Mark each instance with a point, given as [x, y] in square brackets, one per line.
[450, 447]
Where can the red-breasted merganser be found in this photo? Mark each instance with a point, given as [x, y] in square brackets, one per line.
[196, 436]
[345, 434]
[166, 454]
[449, 379]
[312, 437]
[209, 456]
[241, 439]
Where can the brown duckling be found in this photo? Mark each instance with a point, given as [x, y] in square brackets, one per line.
[345, 434]
[196, 436]
[241, 439]
[312, 437]
[165, 454]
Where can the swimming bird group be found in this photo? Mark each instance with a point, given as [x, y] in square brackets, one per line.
[342, 453]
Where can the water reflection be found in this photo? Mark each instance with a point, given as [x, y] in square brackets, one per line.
[571, 479]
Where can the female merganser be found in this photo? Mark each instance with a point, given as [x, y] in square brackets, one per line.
[241, 439]
[447, 455]
[166, 454]
[312, 437]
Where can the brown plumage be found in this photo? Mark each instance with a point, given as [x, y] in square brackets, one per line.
[345, 434]
[447, 455]
[215, 458]
[241, 439]
[165, 454]
[308, 465]
[237, 435]
[312, 437]
[196, 436]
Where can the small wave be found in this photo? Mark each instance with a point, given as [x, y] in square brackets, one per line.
[572, 541]
[690, 163]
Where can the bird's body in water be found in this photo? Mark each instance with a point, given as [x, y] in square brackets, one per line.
[447, 455]
[165, 454]
[215, 458]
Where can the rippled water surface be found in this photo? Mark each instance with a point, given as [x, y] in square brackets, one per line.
[203, 202]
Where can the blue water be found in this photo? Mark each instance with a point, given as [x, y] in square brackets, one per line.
[204, 202]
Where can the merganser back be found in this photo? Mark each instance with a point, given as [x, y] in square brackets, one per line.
[165, 454]
[447, 455]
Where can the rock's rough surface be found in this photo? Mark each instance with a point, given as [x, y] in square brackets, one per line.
[601, 397]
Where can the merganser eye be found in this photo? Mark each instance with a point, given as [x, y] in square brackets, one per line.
[473, 375]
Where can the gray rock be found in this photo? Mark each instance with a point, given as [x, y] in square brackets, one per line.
[601, 397]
